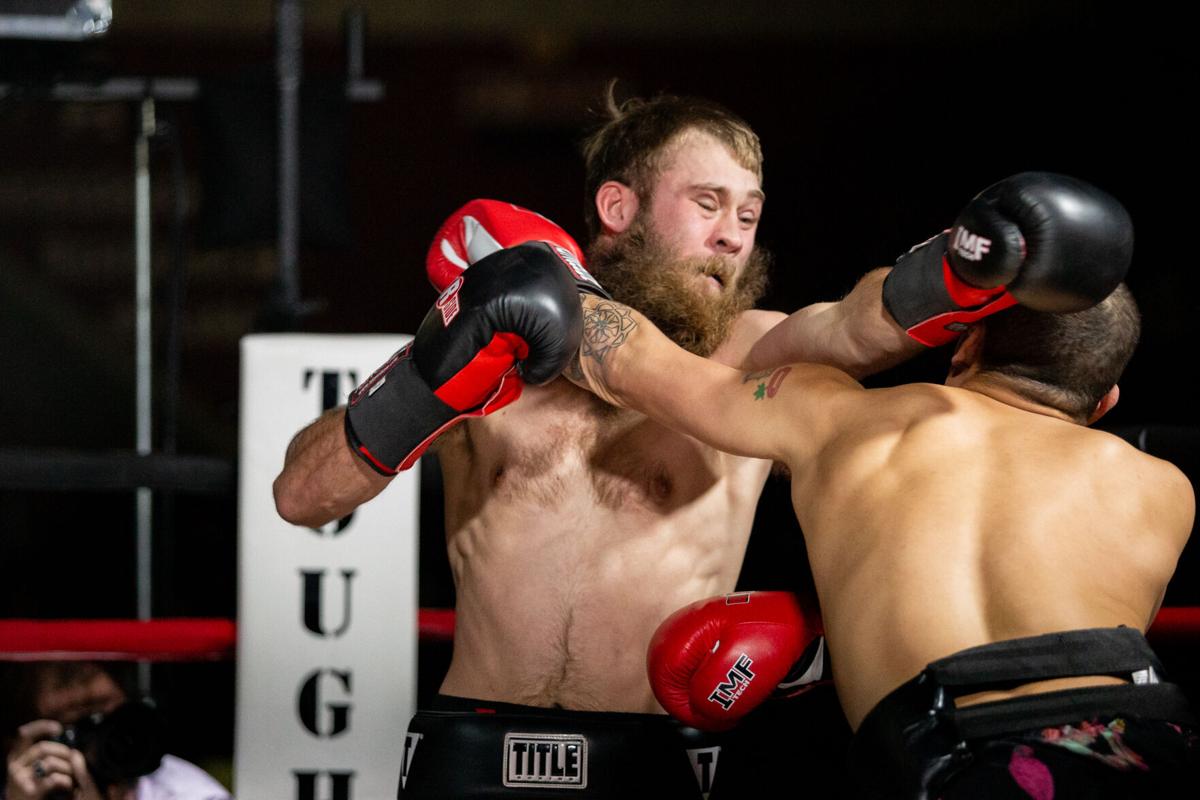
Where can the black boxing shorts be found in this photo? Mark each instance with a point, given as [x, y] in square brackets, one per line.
[1123, 740]
[474, 749]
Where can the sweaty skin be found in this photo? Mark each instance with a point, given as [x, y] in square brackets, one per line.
[936, 518]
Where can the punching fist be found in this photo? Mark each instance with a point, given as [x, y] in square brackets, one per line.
[513, 317]
[1049, 242]
[712, 662]
[482, 227]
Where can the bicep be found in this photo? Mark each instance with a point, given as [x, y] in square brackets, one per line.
[791, 338]
[783, 414]
[855, 334]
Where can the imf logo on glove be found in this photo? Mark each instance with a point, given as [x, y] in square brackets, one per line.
[552, 760]
[970, 246]
[736, 682]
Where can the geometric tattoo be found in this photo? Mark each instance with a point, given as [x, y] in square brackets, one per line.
[606, 326]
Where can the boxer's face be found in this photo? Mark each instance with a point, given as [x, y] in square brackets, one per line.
[686, 257]
[704, 205]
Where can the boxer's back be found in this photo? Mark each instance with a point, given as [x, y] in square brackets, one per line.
[947, 519]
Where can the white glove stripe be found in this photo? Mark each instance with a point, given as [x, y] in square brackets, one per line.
[813, 673]
[480, 243]
[449, 253]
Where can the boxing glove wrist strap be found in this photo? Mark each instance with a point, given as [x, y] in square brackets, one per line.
[930, 302]
[393, 417]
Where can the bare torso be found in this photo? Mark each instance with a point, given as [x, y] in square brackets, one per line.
[948, 519]
[573, 529]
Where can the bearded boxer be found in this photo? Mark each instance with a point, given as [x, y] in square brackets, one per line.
[574, 528]
[986, 564]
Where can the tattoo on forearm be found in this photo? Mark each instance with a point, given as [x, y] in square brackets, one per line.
[767, 383]
[606, 326]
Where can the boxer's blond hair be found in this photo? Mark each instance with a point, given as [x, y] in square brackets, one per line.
[631, 144]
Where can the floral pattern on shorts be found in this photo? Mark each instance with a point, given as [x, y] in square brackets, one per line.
[1102, 742]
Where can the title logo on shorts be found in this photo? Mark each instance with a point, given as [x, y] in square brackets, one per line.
[704, 765]
[550, 760]
[970, 246]
[737, 680]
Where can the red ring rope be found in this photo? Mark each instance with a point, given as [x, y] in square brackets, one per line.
[190, 639]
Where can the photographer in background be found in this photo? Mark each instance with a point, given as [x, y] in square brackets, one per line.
[87, 741]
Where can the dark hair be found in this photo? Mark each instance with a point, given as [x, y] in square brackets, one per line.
[22, 682]
[1065, 361]
[629, 144]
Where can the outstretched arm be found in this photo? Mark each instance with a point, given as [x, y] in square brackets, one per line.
[322, 479]
[855, 334]
[785, 414]
[1059, 244]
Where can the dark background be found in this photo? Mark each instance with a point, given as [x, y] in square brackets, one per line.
[878, 121]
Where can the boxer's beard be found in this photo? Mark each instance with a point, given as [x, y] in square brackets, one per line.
[640, 270]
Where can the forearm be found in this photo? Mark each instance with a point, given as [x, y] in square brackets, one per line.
[612, 332]
[322, 479]
[855, 334]
[625, 360]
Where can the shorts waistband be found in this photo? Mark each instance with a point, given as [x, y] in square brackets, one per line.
[1119, 652]
[917, 731]
[491, 750]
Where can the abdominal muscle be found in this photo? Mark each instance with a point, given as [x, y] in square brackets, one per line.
[566, 560]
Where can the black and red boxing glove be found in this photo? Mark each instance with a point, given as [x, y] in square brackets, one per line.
[1049, 242]
[712, 662]
[482, 227]
[514, 317]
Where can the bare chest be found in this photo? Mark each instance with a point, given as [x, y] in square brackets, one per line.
[573, 529]
[559, 448]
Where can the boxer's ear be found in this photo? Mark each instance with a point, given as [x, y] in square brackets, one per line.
[966, 351]
[1105, 404]
[616, 206]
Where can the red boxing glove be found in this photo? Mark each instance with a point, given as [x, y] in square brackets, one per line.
[712, 662]
[482, 227]
[514, 318]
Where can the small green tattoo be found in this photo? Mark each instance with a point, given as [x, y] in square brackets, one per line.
[770, 388]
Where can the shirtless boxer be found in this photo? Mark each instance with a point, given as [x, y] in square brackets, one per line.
[985, 563]
[574, 528]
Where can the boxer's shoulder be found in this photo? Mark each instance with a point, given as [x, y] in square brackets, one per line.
[747, 329]
[758, 320]
[1170, 491]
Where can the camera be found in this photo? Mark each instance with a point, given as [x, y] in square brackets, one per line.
[119, 746]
